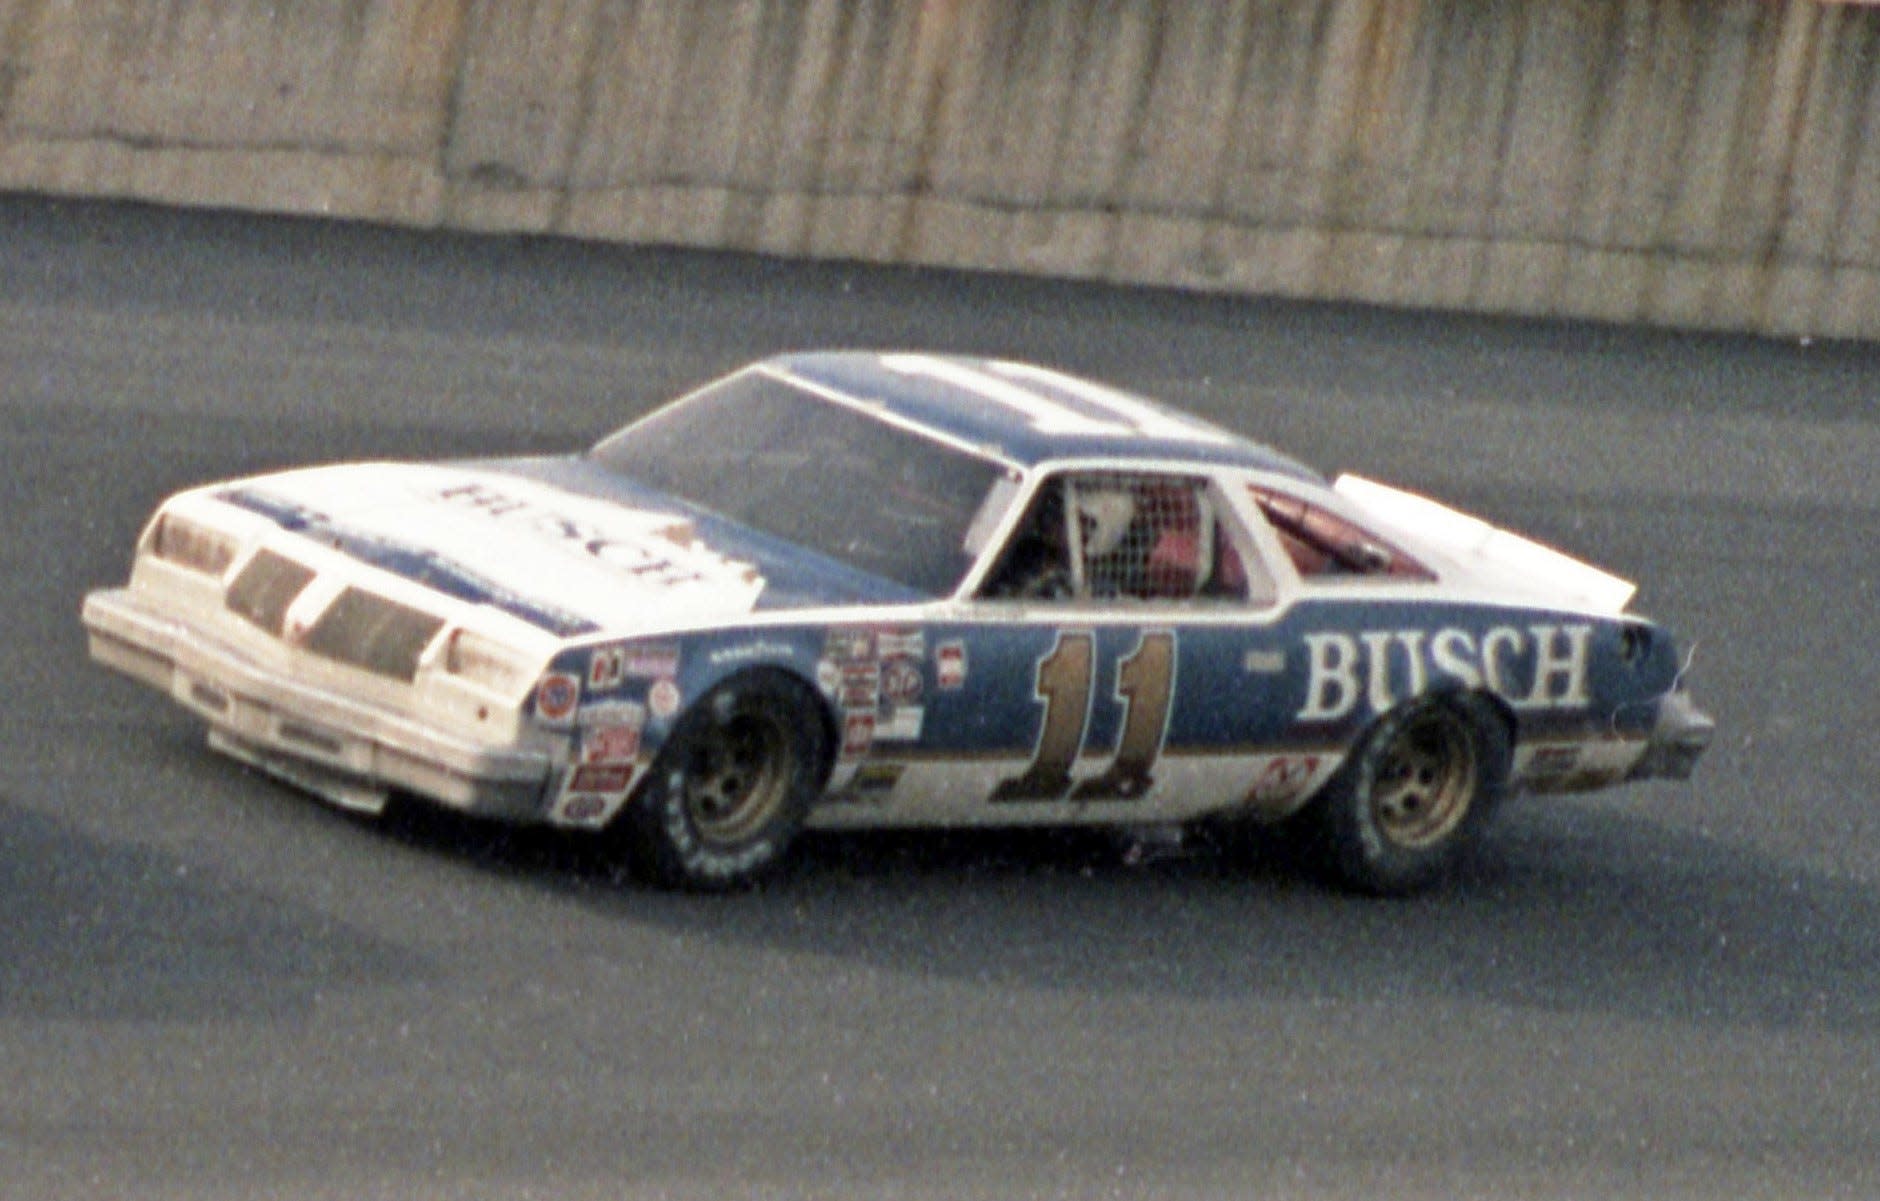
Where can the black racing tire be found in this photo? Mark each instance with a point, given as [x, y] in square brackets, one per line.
[731, 787]
[1413, 797]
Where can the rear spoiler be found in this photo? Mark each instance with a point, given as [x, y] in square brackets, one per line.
[1490, 551]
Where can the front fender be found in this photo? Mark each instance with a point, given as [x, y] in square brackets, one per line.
[619, 700]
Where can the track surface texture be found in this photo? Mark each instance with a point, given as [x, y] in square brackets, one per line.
[212, 987]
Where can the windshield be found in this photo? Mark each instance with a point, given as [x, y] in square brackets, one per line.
[770, 455]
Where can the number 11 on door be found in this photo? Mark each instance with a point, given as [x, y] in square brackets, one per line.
[1145, 686]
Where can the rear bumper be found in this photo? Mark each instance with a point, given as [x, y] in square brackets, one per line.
[1680, 733]
[349, 751]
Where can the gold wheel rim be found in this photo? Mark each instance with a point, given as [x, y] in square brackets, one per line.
[1425, 781]
[738, 780]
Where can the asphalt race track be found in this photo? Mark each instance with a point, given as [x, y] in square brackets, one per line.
[211, 987]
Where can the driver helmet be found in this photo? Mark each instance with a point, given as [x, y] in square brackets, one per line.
[1104, 516]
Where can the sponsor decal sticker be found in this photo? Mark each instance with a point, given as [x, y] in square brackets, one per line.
[877, 674]
[858, 734]
[1285, 779]
[604, 668]
[613, 777]
[612, 713]
[658, 661]
[583, 808]
[749, 652]
[950, 665]
[901, 683]
[861, 686]
[612, 664]
[828, 677]
[557, 696]
[610, 744]
[663, 698]
[911, 644]
[1263, 663]
[902, 724]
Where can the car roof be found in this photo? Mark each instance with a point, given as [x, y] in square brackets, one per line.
[1028, 415]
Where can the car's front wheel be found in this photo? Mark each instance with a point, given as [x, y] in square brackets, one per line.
[1413, 796]
[730, 789]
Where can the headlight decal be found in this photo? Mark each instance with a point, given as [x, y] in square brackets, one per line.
[191, 544]
[485, 662]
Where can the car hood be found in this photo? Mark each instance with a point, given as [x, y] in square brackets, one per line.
[559, 542]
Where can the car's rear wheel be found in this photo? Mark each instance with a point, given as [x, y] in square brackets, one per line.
[731, 786]
[1417, 791]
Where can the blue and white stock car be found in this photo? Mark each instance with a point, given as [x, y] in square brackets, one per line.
[869, 590]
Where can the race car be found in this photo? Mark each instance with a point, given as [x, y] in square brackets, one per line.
[846, 589]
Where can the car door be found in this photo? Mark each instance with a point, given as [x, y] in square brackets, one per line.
[1102, 672]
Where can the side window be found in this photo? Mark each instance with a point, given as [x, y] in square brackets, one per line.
[1036, 563]
[1125, 535]
[1323, 545]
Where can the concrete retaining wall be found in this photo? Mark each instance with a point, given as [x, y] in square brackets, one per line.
[1696, 162]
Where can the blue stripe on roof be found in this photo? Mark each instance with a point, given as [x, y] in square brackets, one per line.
[938, 392]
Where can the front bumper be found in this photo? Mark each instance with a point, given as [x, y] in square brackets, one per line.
[1679, 734]
[348, 751]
